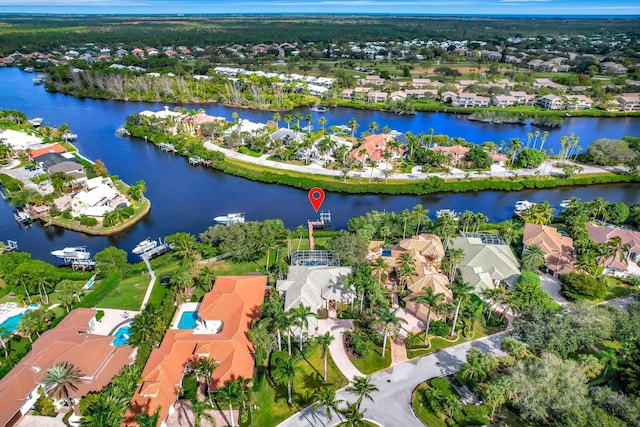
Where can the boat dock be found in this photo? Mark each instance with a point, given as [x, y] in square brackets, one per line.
[162, 248]
[165, 146]
[11, 246]
[323, 223]
[199, 161]
[121, 131]
[84, 265]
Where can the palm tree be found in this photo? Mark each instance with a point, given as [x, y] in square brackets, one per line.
[420, 214]
[514, 348]
[61, 380]
[276, 118]
[446, 227]
[204, 367]
[4, 333]
[185, 248]
[301, 315]
[322, 121]
[380, 265]
[373, 127]
[453, 258]
[460, 293]
[532, 258]
[353, 124]
[325, 341]
[144, 419]
[309, 120]
[285, 371]
[288, 119]
[206, 278]
[431, 300]
[354, 416]
[499, 392]
[297, 117]
[230, 393]
[406, 268]
[388, 318]
[244, 384]
[362, 387]
[199, 413]
[287, 321]
[326, 397]
[181, 281]
[465, 219]
[617, 249]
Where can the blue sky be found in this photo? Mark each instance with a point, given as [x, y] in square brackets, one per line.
[456, 7]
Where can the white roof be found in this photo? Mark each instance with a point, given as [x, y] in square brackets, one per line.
[19, 140]
[101, 193]
[246, 126]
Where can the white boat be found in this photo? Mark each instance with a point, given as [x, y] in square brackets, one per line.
[231, 218]
[522, 205]
[320, 109]
[70, 136]
[565, 203]
[145, 246]
[36, 122]
[72, 253]
[449, 212]
[22, 216]
[37, 81]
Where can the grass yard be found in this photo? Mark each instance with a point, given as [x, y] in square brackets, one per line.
[272, 398]
[128, 294]
[373, 362]
[617, 288]
[438, 343]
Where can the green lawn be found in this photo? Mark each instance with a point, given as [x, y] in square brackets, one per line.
[128, 294]
[374, 362]
[272, 398]
[438, 343]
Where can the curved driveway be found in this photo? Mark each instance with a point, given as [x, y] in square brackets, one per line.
[392, 406]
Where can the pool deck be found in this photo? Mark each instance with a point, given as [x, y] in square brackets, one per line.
[112, 320]
[10, 309]
[187, 306]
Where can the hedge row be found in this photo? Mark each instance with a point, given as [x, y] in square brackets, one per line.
[100, 290]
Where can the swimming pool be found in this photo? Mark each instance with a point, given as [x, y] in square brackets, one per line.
[11, 323]
[122, 335]
[188, 320]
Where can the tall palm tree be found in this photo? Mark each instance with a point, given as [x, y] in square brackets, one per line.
[185, 249]
[206, 278]
[285, 371]
[323, 122]
[302, 314]
[204, 367]
[406, 268]
[326, 397]
[199, 413]
[373, 127]
[287, 321]
[325, 341]
[420, 213]
[465, 219]
[388, 318]
[362, 387]
[144, 419]
[453, 258]
[353, 124]
[288, 119]
[297, 117]
[244, 384]
[532, 258]
[276, 118]
[62, 380]
[229, 392]
[353, 415]
[461, 292]
[446, 227]
[380, 265]
[617, 250]
[514, 348]
[431, 300]
[181, 282]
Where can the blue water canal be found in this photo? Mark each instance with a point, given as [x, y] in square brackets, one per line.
[186, 198]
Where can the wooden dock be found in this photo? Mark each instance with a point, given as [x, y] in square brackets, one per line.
[157, 251]
[199, 161]
[83, 265]
[165, 146]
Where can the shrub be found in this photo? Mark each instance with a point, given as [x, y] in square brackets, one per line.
[577, 286]
[439, 328]
[66, 214]
[44, 406]
[88, 221]
[359, 345]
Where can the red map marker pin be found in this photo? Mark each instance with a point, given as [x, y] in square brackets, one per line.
[316, 197]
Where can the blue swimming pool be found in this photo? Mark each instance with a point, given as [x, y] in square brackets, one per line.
[188, 320]
[122, 335]
[386, 253]
[11, 323]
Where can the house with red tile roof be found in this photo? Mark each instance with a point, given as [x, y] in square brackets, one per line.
[558, 248]
[455, 153]
[374, 147]
[224, 318]
[71, 341]
[49, 148]
[602, 234]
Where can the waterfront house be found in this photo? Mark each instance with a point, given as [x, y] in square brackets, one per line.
[559, 255]
[487, 262]
[46, 148]
[504, 100]
[627, 102]
[320, 287]
[377, 97]
[286, 136]
[618, 265]
[522, 98]
[578, 102]
[72, 341]
[223, 320]
[551, 102]
[97, 202]
[498, 159]
[19, 141]
[454, 153]
[374, 147]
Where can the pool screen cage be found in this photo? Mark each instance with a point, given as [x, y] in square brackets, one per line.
[314, 258]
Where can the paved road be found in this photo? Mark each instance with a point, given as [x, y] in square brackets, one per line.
[337, 328]
[392, 406]
[553, 287]
[546, 168]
